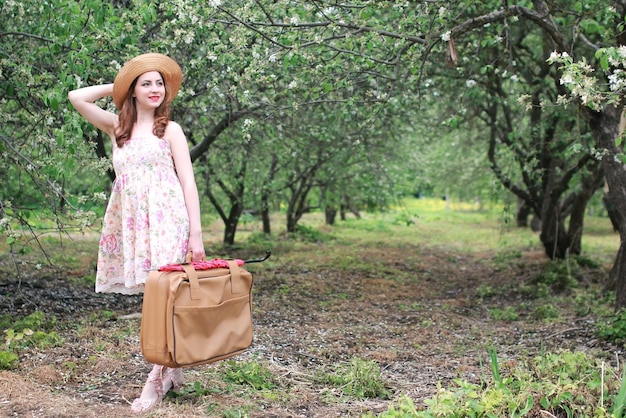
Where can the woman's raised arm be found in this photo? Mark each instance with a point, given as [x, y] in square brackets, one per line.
[83, 100]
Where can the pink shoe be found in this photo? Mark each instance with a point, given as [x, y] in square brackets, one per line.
[144, 405]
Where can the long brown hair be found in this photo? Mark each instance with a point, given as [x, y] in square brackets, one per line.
[128, 117]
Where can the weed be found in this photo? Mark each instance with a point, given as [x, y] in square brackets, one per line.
[546, 312]
[583, 261]
[29, 338]
[34, 321]
[249, 373]
[25, 333]
[493, 361]
[309, 234]
[262, 240]
[99, 345]
[8, 360]
[405, 218]
[361, 379]
[283, 290]
[193, 390]
[505, 258]
[485, 291]
[620, 399]
[506, 314]
[558, 275]
[241, 412]
[101, 315]
[614, 328]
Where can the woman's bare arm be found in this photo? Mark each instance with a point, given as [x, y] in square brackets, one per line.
[180, 153]
[84, 99]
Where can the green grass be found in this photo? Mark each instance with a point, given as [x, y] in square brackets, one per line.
[565, 384]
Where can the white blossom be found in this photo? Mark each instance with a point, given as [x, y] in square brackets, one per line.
[554, 57]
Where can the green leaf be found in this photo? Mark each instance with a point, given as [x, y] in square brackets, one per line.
[604, 62]
[54, 103]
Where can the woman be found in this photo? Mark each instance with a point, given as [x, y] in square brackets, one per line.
[153, 215]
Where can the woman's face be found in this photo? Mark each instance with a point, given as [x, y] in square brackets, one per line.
[149, 90]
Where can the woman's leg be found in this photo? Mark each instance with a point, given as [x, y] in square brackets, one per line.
[173, 379]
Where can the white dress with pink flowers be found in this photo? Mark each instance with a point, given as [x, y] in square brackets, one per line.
[146, 224]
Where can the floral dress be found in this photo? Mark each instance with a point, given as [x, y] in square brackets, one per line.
[146, 223]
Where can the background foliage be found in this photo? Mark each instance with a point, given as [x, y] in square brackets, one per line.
[299, 106]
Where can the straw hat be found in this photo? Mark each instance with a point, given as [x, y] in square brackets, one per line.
[169, 69]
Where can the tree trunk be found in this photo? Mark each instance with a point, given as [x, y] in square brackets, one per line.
[291, 222]
[589, 185]
[605, 125]
[231, 223]
[265, 214]
[297, 201]
[330, 214]
[553, 235]
[535, 223]
[611, 212]
[265, 218]
[523, 212]
[351, 207]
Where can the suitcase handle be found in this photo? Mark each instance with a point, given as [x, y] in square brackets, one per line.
[236, 284]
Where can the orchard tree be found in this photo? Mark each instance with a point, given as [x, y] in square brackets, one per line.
[595, 24]
[49, 172]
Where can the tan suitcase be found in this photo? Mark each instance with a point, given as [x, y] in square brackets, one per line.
[195, 317]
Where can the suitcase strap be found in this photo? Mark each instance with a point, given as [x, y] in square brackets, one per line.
[236, 284]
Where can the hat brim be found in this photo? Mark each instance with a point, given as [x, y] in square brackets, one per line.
[169, 69]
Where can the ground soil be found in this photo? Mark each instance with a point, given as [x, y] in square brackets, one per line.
[419, 315]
